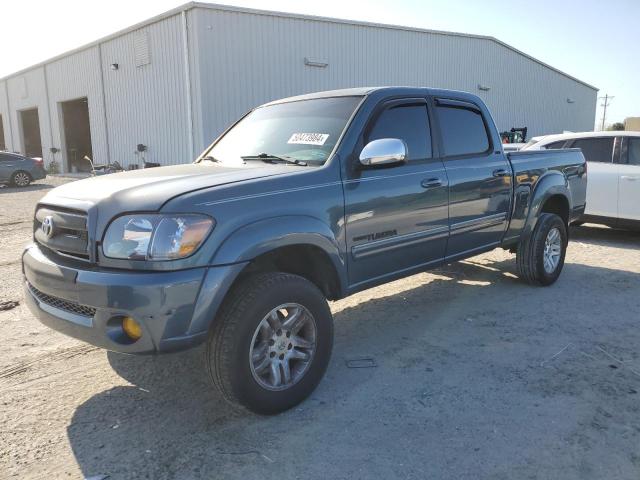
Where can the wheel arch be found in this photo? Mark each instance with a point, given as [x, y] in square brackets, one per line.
[301, 245]
[550, 195]
[558, 204]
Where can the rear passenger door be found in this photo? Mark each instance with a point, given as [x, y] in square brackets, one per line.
[479, 178]
[629, 182]
[602, 185]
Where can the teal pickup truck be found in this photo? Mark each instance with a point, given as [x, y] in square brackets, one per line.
[302, 200]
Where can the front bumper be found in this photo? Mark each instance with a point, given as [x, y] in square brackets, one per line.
[174, 309]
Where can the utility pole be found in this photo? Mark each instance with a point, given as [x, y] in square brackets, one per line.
[607, 100]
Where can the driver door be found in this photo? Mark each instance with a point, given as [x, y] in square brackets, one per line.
[396, 215]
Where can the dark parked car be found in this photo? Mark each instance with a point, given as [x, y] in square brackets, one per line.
[20, 171]
[302, 200]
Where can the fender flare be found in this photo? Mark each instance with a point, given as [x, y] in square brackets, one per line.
[550, 184]
[250, 241]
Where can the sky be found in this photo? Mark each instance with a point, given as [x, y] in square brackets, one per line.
[597, 42]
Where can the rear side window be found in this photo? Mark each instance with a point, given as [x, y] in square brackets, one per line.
[463, 130]
[634, 151]
[554, 145]
[409, 123]
[595, 149]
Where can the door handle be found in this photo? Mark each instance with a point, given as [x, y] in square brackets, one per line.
[501, 172]
[431, 183]
[629, 177]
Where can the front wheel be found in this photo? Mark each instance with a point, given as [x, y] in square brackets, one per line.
[540, 258]
[271, 343]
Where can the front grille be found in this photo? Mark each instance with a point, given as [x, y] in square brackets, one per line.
[65, 233]
[62, 304]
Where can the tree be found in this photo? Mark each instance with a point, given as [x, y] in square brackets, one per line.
[616, 126]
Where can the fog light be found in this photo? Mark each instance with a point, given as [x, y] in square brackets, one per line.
[131, 328]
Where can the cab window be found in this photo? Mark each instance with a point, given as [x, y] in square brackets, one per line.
[406, 122]
[595, 149]
[555, 145]
[463, 130]
[633, 150]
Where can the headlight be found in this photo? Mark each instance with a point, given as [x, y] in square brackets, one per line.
[155, 237]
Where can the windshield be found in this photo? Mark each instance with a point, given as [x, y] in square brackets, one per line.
[305, 131]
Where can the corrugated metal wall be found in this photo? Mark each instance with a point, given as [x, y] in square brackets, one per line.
[72, 77]
[248, 59]
[147, 104]
[68, 78]
[28, 91]
[4, 114]
[240, 59]
[144, 101]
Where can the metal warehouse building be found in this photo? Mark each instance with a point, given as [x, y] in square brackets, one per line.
[170, 85]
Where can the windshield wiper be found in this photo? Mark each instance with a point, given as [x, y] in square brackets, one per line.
[268, 158]
[211, 158]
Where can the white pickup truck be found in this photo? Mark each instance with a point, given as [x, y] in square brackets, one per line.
[613, 194]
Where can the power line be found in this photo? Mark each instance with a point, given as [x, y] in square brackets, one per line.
[607, 101]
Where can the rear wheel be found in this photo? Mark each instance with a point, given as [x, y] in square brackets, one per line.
[540, 258]
[271, 343]
[20, 179]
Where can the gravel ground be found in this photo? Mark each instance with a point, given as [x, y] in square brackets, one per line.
[476, 376]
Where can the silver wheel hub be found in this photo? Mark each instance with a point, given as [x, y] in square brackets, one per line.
[552, 250]
[283, 347]
[21, 179]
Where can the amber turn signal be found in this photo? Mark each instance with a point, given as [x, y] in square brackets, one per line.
[131, 328]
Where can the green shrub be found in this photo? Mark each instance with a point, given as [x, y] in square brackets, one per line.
[53, 167]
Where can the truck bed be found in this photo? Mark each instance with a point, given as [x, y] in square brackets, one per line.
[565, 167]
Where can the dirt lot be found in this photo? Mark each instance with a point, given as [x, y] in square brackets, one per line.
[477, 376]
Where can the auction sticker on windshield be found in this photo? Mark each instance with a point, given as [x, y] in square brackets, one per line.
[309, 138]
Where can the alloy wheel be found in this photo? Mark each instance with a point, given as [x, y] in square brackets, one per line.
[21, 179]
[283, 347]
[552, 250]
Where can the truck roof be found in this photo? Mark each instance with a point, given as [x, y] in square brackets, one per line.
[362, 91]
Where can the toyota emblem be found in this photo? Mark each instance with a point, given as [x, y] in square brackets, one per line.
[47, 226]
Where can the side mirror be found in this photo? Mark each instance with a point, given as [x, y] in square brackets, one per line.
[385, 151]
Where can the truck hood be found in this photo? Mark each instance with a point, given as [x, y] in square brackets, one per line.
[148, 189]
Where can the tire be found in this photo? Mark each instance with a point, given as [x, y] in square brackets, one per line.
[21, 179]
[530, 257]
[239, 331]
